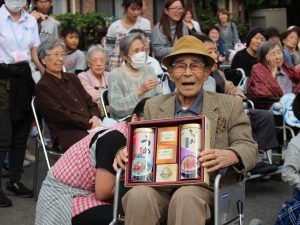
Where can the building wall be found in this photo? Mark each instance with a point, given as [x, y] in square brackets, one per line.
[89, 6]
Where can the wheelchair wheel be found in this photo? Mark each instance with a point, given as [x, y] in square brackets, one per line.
[256, 222]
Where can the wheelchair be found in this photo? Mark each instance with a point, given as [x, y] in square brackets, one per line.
[239, 79]
[229, 199]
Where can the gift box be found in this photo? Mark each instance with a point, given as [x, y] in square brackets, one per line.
[164, 153]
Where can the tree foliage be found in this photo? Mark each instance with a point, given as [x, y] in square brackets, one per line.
[88, 25]
[206, 11]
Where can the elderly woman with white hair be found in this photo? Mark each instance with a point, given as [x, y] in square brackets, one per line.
[94, 81]
[133, 81]
[67, 108]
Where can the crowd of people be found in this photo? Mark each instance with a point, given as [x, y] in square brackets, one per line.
[38, 58]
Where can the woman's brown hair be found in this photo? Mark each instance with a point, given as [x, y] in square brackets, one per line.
[191, 11]
[164, 22]
[223, 11]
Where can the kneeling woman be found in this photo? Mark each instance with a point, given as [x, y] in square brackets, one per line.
[79, 187]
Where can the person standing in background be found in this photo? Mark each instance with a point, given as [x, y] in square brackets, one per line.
[121, 27]
[228, 30]
[19, 40]
[169, 29]
[190, 22]
[48, 26]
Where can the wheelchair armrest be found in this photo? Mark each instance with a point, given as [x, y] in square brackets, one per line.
[265, 100]
[228, 176]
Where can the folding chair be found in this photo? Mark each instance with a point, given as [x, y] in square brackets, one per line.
[104, 101]
[229, 199]
[40, 144]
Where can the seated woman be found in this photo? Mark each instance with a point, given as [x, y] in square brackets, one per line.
[271, 77]
[67, 108]
[95, 80]
[79, 187]
[132, 81]
[290, 40]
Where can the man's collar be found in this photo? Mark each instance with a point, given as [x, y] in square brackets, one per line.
[195, 107]
[7, 14]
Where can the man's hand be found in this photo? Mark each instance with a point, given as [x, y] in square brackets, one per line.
[95, 122]
[121, 159]
[215, 159]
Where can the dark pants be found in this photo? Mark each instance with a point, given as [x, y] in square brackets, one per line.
[263, 128]
[101, 215]
[13, 139]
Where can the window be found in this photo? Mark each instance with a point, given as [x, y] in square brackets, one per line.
[104, 6]
[158, 10]
[59, 7]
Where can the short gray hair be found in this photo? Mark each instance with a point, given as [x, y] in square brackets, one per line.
[48, 45]
[92, 49]
[127, 41]
[265, 48]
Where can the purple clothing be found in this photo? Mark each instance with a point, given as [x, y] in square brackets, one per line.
[284, 82]
[66, 108]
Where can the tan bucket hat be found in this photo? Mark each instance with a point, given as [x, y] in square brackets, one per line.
[188, 45]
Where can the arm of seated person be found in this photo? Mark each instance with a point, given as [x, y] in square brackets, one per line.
[106, 148]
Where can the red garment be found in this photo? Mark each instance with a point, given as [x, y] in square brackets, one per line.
[261, 84]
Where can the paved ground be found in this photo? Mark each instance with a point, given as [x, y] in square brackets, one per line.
[263, 200]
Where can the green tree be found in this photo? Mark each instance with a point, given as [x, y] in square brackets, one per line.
[88, 25]
[206, 11]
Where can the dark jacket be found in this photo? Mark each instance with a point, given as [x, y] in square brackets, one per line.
[66, 108]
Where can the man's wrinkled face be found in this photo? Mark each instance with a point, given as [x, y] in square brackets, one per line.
[189, 74]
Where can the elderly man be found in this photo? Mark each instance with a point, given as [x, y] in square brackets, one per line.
[231, 144]
[67, 108]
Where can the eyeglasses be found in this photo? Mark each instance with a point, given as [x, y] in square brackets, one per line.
[180, 68]
[177, 9]
[58, 54]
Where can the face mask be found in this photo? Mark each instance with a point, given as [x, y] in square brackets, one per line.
[15, 6]
[138, 60]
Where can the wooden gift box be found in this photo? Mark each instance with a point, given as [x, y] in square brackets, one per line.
[155, 124]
